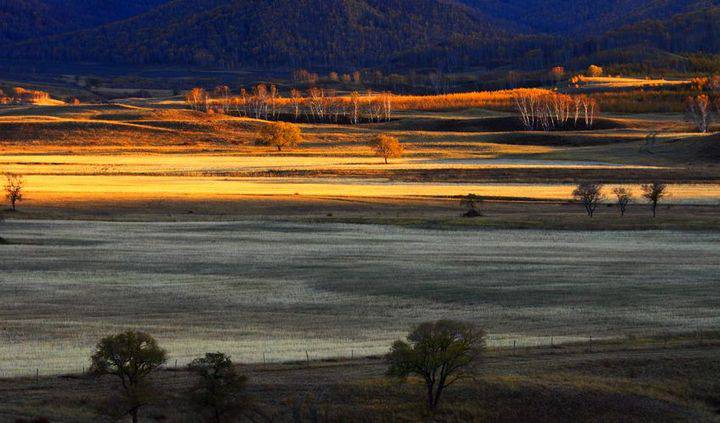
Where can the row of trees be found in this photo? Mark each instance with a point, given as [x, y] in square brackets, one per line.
[131, 357]
[548, 110]
[315, 105]
[591, 195]
[440, 353]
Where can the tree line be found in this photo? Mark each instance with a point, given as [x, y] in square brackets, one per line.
[549, 110]
[318, 105]
[591, 195]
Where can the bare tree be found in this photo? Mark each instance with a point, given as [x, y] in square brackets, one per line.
[130, 356]
[699, 111]
[258, 101]
[623, 197]
[14, 189]
[653, 193]
[441, 353]
[590, 195]
[386, 101]
[355, 107]
[296, 100]
[274, 96]
[197, 99]
[221, 93]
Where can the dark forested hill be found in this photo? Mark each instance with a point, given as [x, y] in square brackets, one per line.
[356, 33]
[589, 17]
[25, 19]
[280, 32]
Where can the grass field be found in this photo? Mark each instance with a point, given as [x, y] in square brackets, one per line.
[142, 214]
[282, 289]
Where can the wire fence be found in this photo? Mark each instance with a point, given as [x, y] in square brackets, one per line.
[506, 346]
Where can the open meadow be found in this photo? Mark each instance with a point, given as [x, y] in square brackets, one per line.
[278, 291]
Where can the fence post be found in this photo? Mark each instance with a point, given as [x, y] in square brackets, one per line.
[307, 356]
[37, 376]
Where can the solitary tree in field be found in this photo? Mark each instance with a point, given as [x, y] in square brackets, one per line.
[699, 111]
[387, 147]
[131, 357]
[280, 135]
[13, 189]
[470, 202]
[595, 71]
[623, 197]
[590, 195]
[441, 353]
[220, 389]
[653, 193]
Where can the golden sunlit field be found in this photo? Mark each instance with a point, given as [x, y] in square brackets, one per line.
[123, 152]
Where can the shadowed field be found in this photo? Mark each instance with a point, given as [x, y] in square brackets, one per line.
[282, 289]
[671, 378]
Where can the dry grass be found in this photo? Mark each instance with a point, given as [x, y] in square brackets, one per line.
[282, 289]
[671, 378]
[616, 82]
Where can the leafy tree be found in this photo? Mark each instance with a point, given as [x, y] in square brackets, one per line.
[595, 71]
[590, 195]
[387, 146]
[131, 357]
[219, 389]
[14, 189]
[653, 193]
[280, 135]
[623, 196]
[440, 352]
